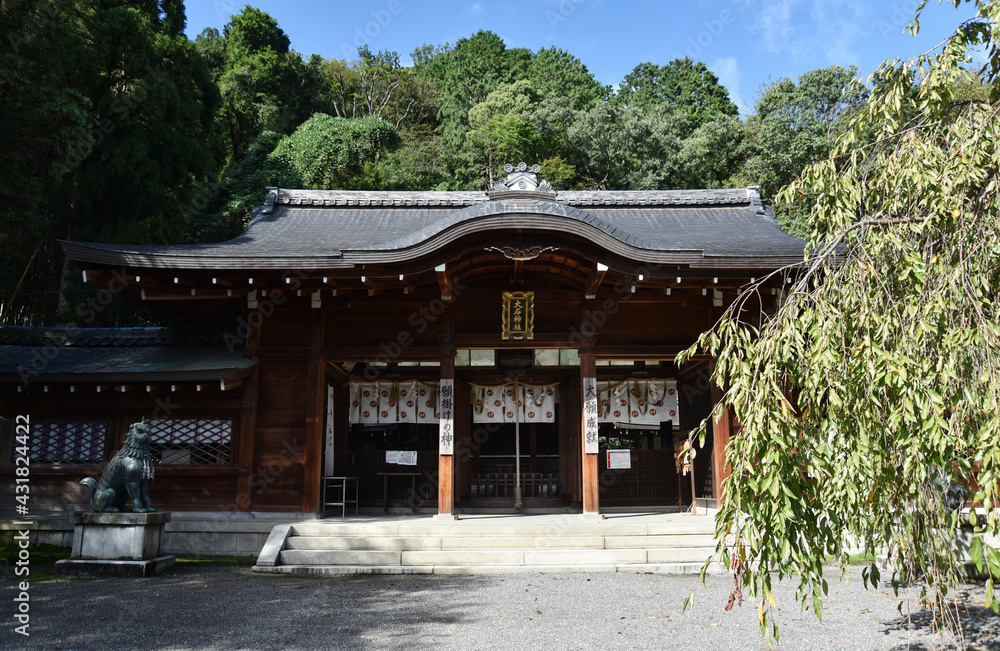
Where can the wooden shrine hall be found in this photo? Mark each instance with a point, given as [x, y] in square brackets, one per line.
[452, 351]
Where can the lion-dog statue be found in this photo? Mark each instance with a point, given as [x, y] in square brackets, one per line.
[126, 477]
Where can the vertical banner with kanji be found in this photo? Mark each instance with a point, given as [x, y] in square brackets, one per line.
[330, 444]
[590, 415]
[447, 422]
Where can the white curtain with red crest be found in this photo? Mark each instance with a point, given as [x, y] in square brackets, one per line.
[409, 401]
[497, 403]
[640, 401]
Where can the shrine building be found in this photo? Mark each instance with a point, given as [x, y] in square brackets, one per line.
[456, 352]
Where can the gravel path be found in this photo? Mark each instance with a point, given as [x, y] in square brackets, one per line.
[198, 607]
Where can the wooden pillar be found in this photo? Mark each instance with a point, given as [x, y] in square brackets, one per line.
[446, 462]
[722, 429]
[248, 430]
[591, 487]
[313, 456]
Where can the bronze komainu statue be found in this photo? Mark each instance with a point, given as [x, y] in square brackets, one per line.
[126, 477]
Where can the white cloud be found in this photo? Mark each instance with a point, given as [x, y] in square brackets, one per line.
[475, 10]
[802, 28]
[727, 69]
[773, 22]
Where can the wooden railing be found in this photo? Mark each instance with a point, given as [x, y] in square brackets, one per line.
[501, 484]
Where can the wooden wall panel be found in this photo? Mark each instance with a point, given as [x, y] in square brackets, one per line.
[280, 441]
[387, 317]
[288, 325]
[636, 322]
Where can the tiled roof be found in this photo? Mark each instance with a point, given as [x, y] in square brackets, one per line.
[62, 337]
[115, 355]
[313, 229]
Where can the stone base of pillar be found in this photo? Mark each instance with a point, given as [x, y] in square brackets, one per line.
[592, 516]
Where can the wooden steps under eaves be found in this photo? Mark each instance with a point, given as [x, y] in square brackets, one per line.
[656, 543]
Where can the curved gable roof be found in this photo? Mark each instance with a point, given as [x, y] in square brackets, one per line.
[329, 229]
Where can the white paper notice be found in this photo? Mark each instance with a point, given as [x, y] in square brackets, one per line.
[392, 456]
[408, 458]
[619, 459]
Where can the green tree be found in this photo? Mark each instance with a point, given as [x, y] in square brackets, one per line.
[471, 70]
[265, 86]
[552, 71]
[714, 153]
[377, 85]
[685, 85]
[211, 45]
[327, 152]
[108, 114]
[795, 124]
[414, 166]
[616, 148]
[465, 75]
[875, 384]
[501, 129]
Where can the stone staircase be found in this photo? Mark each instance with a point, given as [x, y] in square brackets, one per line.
[674, 544]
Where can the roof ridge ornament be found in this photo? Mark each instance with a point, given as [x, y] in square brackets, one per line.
[753, 194]
[522, 182]
[269, 200]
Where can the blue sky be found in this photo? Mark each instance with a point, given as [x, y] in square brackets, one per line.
[746, 43]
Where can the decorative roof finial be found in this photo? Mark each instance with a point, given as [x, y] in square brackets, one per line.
[522, 183]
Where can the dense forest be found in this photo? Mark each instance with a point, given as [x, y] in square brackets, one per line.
[118, 128]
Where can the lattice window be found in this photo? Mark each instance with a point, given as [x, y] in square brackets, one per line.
[67, 440]
[192, 441]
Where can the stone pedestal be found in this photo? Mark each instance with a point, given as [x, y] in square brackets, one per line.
[118, 544]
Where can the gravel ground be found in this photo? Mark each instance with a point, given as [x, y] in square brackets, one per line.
[199, 607]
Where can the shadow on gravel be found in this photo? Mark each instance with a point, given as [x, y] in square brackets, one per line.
[980, 627]
[230, 607]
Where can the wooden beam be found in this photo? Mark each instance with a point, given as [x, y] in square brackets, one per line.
[594, 281]
[344, 353]
[227, 385]
[444, 282]
[540, 340]
[172, 294]
[518, 271]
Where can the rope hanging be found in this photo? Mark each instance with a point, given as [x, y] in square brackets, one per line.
[518, 504]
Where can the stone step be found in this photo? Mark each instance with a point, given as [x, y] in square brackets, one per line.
[339, 570]
[339, 557]
[466, 529]
[484, 558]
[501, 542]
